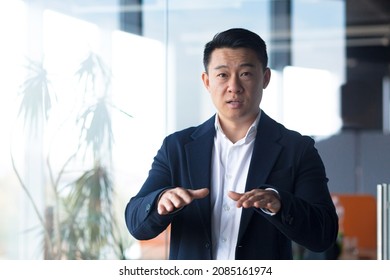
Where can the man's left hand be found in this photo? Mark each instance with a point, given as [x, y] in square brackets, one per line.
[259, 198]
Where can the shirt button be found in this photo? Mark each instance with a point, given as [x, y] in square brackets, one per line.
[224, 239]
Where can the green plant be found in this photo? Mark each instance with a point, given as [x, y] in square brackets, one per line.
[81, 222]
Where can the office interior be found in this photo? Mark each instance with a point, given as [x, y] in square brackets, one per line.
[91, 88]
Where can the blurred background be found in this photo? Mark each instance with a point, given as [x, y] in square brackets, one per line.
[90, 88]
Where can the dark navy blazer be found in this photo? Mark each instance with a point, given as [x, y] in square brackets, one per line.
[281, 158]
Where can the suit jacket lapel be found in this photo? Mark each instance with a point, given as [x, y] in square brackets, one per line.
[265, 153]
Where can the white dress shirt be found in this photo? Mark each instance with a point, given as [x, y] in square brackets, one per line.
[230, 165]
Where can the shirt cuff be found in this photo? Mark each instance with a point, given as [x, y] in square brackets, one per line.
[266, 211]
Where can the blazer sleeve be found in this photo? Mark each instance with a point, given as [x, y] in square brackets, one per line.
[308, 215]
[141, 216]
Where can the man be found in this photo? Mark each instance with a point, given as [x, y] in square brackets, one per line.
[240, 185]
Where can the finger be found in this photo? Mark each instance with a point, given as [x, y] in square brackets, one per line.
[172, 200]
[271, 203]
[274, 206]
[247, 203]
[262, 202]
[180, 197]
[239, 198]
[177, 198]
[250, 201]
[234, 195]
[164, 208]
[199, 193]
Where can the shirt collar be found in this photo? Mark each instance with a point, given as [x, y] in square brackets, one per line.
[251, 133]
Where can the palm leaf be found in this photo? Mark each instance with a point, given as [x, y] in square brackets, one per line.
[36, 97]
[97, 126]
[90, 70]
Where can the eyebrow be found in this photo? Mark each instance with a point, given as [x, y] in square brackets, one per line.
[241, 65]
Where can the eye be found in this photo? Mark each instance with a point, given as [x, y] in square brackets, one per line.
[246, 74]
[221, 75]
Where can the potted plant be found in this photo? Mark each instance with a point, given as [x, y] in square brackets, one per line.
[80, 222]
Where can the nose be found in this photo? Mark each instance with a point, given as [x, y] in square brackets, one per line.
[235, 85]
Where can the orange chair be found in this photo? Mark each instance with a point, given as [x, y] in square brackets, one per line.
[358, 224]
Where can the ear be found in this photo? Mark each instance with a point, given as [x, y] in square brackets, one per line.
[266, 77]
[206, 80]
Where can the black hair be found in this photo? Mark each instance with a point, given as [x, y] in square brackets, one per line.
[236, 38]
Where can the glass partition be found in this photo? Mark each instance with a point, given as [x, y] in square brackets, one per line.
[383, 221]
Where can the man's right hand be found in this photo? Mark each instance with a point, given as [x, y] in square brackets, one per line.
[176, 198]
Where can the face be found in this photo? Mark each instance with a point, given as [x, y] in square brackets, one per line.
[235, 81]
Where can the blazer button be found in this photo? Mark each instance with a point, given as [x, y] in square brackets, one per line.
[207, 245]
[289, 219]
[147, 208]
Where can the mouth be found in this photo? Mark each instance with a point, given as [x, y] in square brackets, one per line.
[234, 103]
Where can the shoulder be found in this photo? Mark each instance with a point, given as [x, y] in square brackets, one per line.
[281, 134]
[193, 132]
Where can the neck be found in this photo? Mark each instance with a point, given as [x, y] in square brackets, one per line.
[235, 134]
[236, 130]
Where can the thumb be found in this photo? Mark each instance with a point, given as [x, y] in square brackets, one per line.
[234, 195]
[199, 193]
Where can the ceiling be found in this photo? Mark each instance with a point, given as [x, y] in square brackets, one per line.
[367, 12]
[368, 29]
